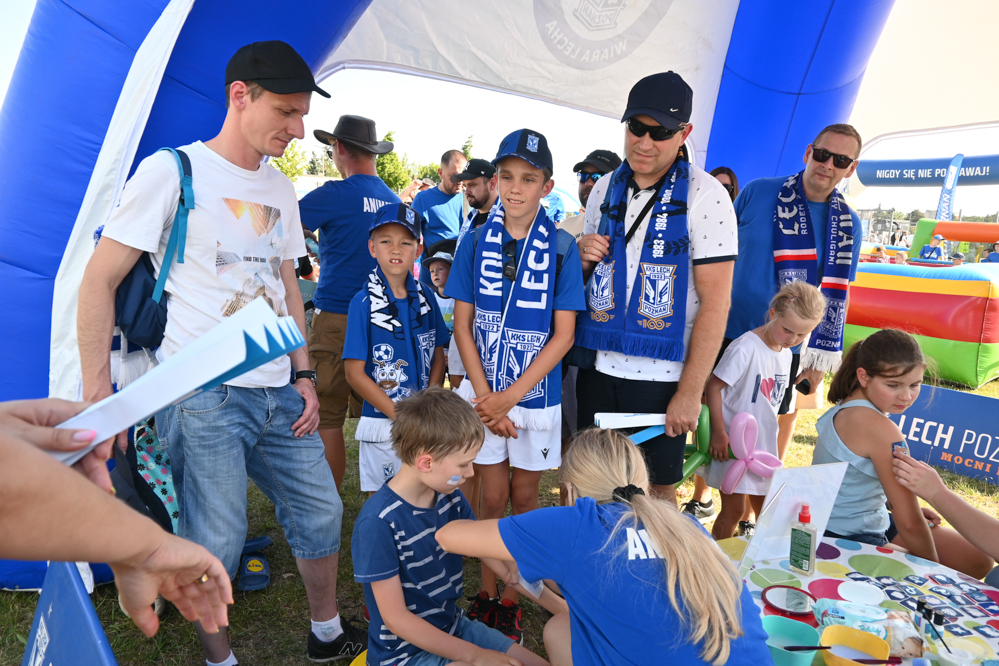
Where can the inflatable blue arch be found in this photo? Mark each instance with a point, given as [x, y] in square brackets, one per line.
[777, 70]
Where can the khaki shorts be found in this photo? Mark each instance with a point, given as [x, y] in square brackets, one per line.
[327, 332]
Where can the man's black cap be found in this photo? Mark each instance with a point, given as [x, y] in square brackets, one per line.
[475, 169]
[604, 161]
[357, 131]
[665, 97]
[274, 66]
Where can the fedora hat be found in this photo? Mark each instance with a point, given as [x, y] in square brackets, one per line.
[357, 131]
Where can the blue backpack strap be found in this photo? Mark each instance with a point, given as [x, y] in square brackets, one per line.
[178, 235]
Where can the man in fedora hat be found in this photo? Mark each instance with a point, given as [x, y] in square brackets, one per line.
[242, 241]
[342, 211]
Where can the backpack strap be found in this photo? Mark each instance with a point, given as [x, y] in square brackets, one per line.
[178, 235]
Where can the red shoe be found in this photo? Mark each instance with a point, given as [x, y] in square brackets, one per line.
[508, 621]
[483, 609]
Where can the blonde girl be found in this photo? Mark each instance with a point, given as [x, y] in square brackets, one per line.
[882, 375]
[643, 582]
[752, 377]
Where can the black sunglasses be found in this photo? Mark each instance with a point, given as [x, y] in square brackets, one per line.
[583, 176]
[730, 188]
[821, 155]
[655, 132]
[510, 265]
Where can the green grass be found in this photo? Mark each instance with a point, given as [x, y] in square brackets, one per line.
[270, 626]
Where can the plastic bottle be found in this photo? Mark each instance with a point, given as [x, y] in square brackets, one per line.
[803, 543]
[917, 617]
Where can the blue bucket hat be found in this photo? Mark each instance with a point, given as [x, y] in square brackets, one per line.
[398, 214]
[528, 145]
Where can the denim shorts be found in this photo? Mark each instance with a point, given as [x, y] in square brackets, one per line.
[472, 631]
[220, 438]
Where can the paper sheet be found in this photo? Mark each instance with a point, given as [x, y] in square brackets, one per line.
[251, 337]
[818, 485]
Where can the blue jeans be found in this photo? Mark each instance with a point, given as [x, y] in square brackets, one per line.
[218, 439]
[472, 631]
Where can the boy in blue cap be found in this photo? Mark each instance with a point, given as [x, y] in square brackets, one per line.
[517, 288]
[395, 339]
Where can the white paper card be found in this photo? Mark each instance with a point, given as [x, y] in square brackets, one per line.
[534, 588]
[816, 485]
[615, 421]
[251, 337]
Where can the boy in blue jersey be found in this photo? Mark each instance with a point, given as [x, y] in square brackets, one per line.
[932, 250]
[410, 584]
[342, 212]
[516, 297]
[395, 339]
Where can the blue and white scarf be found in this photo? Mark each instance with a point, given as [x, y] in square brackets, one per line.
[401, 355]
[652, 325]
[796, 258]
[509, 338]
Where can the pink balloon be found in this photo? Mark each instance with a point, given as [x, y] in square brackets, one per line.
[742, 439]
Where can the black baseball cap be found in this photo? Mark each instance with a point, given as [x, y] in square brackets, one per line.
[275, 66]
[665, 97]
[528, 145]
[603, 161]
[398, 213]
[475, 169]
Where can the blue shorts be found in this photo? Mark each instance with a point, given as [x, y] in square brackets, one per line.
[220, 438]
[472, 631]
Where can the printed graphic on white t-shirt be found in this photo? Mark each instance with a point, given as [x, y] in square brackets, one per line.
[248, 262]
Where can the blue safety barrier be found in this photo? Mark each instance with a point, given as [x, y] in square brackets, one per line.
[66, 630]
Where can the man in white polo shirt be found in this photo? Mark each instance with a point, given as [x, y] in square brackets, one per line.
[660, 243]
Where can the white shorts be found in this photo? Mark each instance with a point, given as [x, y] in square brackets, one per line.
[533, 450]
[454, 364]
[378, 464]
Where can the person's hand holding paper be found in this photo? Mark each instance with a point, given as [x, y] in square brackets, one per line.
[33, 421]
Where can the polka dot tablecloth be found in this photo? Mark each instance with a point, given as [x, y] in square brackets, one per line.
[971, 608]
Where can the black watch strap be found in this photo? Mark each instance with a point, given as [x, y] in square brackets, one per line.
[306, 374]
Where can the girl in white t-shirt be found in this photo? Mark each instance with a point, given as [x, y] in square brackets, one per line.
[752, 376]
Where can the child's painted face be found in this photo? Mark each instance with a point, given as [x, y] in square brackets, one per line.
[789, 330]
[394, 248]
[892, 394]
[439, 270]
[449, 472]
[521, 187]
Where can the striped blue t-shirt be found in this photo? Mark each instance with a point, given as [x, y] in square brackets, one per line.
[394, 538]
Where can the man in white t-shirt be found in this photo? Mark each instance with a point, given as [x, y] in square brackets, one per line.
[683, 331]
[242, 240]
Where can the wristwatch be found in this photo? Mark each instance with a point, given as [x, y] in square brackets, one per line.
[306, 374]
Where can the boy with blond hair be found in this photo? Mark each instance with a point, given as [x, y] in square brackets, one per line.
[395, 339]
[517, 285]
[410, 584]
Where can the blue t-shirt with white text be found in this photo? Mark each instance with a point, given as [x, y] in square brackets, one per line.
[342, 211]
[394, 538]
[568, 291]
[619, 609]
[755, 280]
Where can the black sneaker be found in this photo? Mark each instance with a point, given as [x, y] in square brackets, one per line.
[483, 609]
[746, 528]
[508, 621]
[699, 510]
[352, 642]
